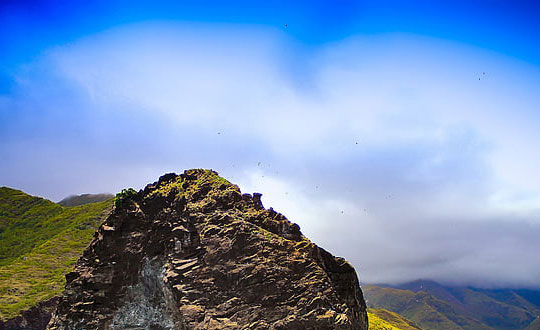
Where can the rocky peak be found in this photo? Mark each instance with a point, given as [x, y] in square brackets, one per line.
[190, 251]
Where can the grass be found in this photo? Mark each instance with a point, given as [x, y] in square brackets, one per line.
[25, 222]
[382, 319]
[40, 241]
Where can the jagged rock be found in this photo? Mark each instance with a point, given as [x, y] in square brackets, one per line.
[191, 252]
[34, 318]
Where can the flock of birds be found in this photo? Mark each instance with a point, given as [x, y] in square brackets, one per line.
[356, 143]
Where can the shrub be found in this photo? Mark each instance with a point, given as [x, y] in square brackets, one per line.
[122, 196]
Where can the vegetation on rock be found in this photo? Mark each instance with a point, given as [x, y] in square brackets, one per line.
[121, 197]
[190, 251]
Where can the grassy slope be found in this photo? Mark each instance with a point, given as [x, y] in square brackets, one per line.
[502, 309]
[382, 319]
[25, 222]
[425, 310]
[513, 312]
[39, 243]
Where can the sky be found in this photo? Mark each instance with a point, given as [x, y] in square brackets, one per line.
[401, 135]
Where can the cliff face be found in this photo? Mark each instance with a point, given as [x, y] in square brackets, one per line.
[191, 252]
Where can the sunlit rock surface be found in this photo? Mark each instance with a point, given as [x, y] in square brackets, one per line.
[191, 252]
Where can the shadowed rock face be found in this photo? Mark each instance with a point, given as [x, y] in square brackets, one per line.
[191, 252]
[34, 318]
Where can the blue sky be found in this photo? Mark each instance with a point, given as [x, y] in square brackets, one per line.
[409, 127]
[28, 27]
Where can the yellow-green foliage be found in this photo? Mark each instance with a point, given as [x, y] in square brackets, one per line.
[211, 179]
[208, 178]
[33, 269]
[381, 319]
[376, 323]
[165, 190]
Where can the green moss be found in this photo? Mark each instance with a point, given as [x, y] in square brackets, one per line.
[204, 178]
[40, 243]
[166, 189]
[212, 178]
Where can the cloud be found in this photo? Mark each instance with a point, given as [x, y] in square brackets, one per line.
[387, 150]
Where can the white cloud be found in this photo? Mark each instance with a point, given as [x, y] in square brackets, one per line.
[386, 150]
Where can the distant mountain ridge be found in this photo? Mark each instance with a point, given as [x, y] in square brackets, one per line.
[435, 306]
[76, 200]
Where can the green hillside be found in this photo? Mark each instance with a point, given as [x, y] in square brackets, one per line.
[503, 309]
[423, 309]
[433, 306]
[39, 243]
[25, 222]
[382, 319]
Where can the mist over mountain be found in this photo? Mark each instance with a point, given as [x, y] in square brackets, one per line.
[75, 200]
[435, 306]
[408, 129]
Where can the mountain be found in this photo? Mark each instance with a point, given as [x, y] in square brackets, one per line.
[40, 242]
[76, 200]
[435, 306]
[190, 251]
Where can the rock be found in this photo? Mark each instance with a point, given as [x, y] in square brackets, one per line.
[191, 252]
[34, 318]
